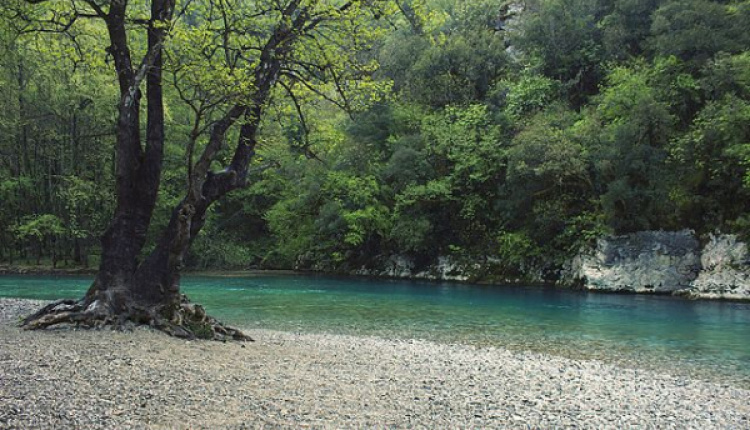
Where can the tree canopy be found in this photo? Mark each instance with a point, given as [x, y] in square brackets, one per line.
[333, 135]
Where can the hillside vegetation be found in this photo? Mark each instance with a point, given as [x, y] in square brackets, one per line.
[479, 128]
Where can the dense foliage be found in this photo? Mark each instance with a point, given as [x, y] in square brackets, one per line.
[516, 131]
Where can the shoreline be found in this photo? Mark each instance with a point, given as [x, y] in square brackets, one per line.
[144, 379]
[46, 271]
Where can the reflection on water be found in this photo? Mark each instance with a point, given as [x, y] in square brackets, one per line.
[703, 338]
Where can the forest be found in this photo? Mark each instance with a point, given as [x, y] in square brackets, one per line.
[516, 130]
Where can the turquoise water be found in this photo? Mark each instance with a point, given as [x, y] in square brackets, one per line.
[699, 338]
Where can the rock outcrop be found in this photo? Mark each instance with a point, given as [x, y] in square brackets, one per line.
[664, 262]
[725, 270]
[399, 266]
[643, 262]
[396, 266]
[659, 262]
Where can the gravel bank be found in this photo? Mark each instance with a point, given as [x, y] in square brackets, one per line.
[143, 379]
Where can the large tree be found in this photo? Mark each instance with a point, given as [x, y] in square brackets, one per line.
[229, 59]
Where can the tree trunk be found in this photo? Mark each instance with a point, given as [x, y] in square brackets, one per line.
[150, 294]
[53, 248]
[78, 252]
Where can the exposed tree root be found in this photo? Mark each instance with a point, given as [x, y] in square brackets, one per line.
[186, 320]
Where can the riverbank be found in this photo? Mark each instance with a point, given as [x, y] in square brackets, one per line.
[144, 379]
[45, 270]
[650, 270]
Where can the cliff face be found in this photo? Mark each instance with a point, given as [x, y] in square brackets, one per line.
[725, 270]
[658, 262]
[665, 262]
[643, 262]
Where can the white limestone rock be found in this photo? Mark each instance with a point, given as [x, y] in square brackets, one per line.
[726, 270]
[643, 262]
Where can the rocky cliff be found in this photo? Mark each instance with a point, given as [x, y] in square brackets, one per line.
[658, 262]
[648, 261]
[725, 270]
[664, 262]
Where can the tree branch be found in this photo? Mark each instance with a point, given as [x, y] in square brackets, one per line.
[97, 9]
[146, 63]
[305, 147]
[293, 75]
[218, 132]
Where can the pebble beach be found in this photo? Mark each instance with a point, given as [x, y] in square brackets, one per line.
[142, 379]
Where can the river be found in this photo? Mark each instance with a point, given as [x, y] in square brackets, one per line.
[705, 339]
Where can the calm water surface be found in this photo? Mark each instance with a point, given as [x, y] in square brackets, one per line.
[699, 338]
